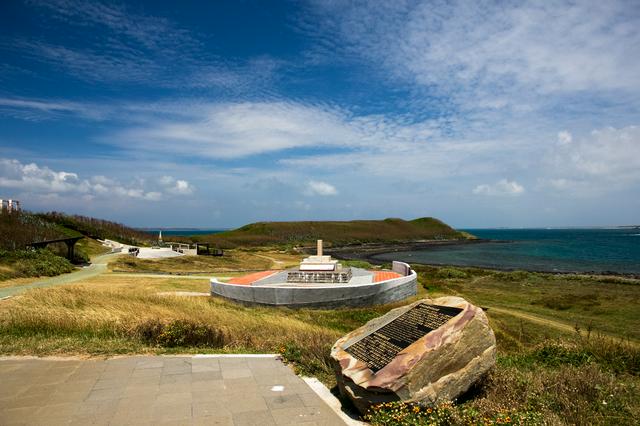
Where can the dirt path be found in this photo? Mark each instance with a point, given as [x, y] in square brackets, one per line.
[276, 262]
[552, 323]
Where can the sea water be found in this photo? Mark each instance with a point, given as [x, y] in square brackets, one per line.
[182, 231]
[553, 250]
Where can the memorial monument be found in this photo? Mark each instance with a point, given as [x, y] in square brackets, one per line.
[320, 282]
[427, 352]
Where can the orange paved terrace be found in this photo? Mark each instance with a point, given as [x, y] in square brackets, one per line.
[248, 279]
[378, 276]
[384, 275]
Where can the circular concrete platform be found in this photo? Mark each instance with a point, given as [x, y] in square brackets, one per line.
[364, 288]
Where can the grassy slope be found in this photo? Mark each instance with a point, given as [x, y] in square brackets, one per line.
[97, 228]
[542, 370]
[352, 232]
[17, 230]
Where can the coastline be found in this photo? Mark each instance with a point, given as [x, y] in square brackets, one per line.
[367, 252]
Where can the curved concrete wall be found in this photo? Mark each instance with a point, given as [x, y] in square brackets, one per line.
[326, 296]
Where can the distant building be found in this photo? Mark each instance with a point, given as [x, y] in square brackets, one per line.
[9, 206]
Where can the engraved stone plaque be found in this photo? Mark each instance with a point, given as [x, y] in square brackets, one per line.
[380, 347]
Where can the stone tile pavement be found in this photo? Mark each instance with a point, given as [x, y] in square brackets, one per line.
[158, 390]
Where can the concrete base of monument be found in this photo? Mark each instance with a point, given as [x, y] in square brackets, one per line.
[364, 288]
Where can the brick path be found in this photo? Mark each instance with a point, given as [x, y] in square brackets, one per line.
[179, 390]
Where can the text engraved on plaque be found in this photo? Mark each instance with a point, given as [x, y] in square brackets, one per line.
[380, 347]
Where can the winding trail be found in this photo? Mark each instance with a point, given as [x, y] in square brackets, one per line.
[97, 267]
[275, 261]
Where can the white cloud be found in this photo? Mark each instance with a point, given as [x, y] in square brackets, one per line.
[152, 32]
[605, 159]
[315, 187]
[39, 109]
[176, 186]
[232, 130]
[135, 47]
[14, 174]
[551, 46]
[229, 130]
[564, 137]
[503, 187]
[41, 180]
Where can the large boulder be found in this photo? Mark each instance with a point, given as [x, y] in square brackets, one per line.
[450, 347]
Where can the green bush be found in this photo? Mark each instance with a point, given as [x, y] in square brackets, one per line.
[556, 354]
[357, 264]
[614, 355]
[80, 257]
[314, 360]
[448, 273]
[514, 276]
[33, 263]
[179, 333]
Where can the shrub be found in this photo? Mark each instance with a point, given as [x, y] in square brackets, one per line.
[33, 263]
[514, 276]
[179, 333]
[568, 300]
[448, 273]
[613, 355]
[310, 359]
[558, 354]
[357, 264]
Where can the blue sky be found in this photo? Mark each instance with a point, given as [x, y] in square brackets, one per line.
[216, 114]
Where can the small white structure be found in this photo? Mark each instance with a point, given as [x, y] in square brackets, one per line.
[9, 206]
[319, 262]
[183, 248]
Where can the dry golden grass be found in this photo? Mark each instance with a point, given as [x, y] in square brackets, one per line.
[106, 314]
[549, 372]
[17, 282]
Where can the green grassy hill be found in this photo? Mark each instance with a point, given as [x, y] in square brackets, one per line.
[19, 229]
[97, 228]
[336, 233]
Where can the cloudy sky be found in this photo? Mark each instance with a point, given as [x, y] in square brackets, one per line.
[182, 114]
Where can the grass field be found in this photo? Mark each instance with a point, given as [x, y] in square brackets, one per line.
[546, 372]
[600, 304]
[91, 248]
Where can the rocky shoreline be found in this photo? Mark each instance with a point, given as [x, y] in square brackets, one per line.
[367, 252]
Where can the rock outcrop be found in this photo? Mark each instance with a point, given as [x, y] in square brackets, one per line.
[457, 350]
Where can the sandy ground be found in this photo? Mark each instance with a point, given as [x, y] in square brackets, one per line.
[157, 253]
[145, 252]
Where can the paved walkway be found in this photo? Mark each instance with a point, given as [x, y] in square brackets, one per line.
[97, 267]
[180, 390]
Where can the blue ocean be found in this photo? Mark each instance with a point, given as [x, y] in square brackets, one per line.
[596, 250]
[182, 231]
